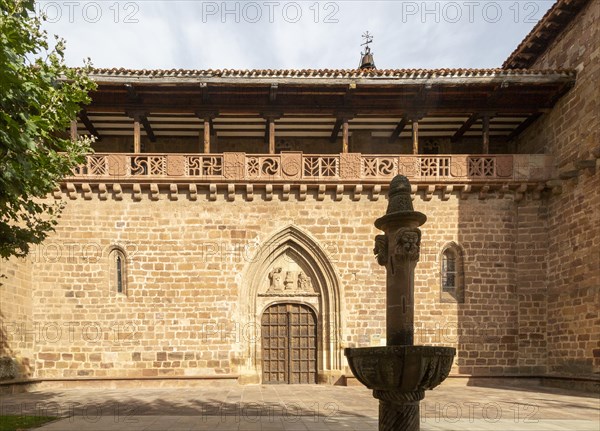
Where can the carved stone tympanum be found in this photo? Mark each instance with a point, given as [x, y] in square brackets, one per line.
[287, 278]
[400, 373]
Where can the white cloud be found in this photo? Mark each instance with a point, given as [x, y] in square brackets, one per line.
[199, 34]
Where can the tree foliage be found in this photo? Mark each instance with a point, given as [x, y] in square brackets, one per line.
[39, 96]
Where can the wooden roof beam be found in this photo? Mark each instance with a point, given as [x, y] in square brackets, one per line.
[88, 124]
[349, 93]
[273, 93]
[465, 127]
[341, 119]
[336, 130]
[147, 128]
[399, 128]
[142, 118]
[204, 92]
[208, 115]
[132, 94]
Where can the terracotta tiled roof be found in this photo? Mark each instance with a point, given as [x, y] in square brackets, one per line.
[556, 19]
[322, 73]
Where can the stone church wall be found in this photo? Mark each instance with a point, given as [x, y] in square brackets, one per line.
[571, 133]
[16, 345]
[181, 312]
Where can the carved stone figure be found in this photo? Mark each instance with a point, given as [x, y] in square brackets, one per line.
[408, 244]
[290, 280]
[275, 277]
[381, 249]
[304, 282]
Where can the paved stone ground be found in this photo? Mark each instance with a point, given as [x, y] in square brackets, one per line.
[303, 407]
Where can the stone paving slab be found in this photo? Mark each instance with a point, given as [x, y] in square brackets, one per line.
[304, 407]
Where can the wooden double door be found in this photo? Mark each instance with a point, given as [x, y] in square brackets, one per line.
[289, 344]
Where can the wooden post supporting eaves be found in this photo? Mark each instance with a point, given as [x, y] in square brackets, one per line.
[345, 136]
[486, 134]
[415, 136]
[137, 143]
[206, 135]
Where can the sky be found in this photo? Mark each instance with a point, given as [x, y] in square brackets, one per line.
[149, 34]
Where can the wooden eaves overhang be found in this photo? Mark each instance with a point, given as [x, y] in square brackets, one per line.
[550, 27]
[394, 96]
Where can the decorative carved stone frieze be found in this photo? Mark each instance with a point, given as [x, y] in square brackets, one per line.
[175, 165]
[296, 166]
[350, 165]
[234, 166]
[409, 166]
[504, 166]
[291, 165]
[458, 167]
[117, 165]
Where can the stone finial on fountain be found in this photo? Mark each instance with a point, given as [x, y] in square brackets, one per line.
[400, 372]
[400, 207]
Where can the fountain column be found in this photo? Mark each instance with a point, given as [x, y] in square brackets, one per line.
[400, 373]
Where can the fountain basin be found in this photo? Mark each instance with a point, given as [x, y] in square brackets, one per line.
[401, 368]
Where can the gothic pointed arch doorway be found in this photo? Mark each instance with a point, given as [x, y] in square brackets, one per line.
[291, 271]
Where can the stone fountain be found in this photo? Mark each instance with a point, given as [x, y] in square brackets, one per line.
[400, 372]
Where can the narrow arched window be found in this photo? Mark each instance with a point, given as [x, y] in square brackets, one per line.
[452, 274]
[117, 271]
[449, 270]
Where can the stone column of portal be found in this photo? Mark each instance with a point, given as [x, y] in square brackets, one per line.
[398, 250]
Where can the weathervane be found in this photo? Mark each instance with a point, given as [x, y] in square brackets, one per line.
[366, 61]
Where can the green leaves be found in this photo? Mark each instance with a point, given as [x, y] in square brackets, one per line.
[40, 95]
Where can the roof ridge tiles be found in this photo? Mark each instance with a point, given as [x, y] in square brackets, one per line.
[415, 73]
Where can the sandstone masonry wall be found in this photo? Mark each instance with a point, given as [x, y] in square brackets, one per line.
[571, 132]
[186, 261]
[15, 317]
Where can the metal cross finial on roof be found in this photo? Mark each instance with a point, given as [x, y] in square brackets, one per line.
[366, 61]
[368, 39]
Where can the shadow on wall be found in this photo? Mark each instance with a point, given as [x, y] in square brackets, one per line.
[488, 306]
[11, 366]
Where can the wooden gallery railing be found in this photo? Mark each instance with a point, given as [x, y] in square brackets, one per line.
[313, 168]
